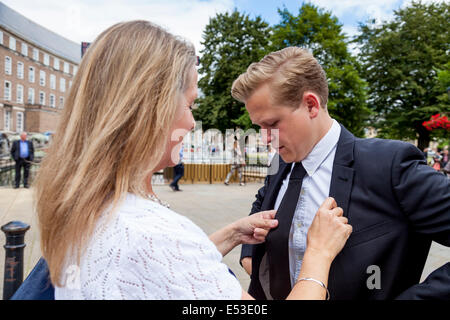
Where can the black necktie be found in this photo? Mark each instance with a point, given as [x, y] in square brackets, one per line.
[277, 239]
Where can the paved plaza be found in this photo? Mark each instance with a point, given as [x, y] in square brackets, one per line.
[209, 206]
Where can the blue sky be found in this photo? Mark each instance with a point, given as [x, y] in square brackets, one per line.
[83, 20]
[349, 12]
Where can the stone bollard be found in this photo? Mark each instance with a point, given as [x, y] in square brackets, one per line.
[15, 234]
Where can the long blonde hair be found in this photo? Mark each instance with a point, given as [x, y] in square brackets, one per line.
[112, 133]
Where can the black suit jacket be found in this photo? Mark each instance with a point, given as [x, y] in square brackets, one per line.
[15, 150]
[396, 205]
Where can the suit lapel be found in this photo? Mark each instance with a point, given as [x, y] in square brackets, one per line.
[340, 190]
[341, 186]
[342, 176]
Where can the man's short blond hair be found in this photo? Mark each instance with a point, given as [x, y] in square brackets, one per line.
[290, 72]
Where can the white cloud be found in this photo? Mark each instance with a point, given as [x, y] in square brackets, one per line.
[408, 2]
[350, 12]
[381, 10]
[356, 7]
[349, 30]
[83, 20]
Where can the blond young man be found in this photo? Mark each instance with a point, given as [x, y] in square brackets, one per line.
[395, 203]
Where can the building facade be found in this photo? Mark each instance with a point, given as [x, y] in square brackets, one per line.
[36, 71]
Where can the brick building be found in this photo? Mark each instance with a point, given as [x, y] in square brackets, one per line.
[36, 71]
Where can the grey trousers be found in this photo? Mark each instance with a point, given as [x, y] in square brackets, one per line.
[233, 168]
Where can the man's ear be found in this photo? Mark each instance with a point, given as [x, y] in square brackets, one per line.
[311, 101]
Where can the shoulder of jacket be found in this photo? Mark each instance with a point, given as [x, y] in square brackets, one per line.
[381, 145]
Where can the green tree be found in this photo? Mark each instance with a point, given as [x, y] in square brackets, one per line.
[231, 42]
[443, 76]
[319, 31]
[400, 59]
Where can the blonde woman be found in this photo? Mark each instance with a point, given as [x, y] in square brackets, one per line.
[104, 233]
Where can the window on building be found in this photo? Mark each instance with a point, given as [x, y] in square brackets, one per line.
[52, 101]
[53, 82]
[62, 85]
[42, 98]
[61, 102]
[31, 74]
[75, 69]
[46, 59]
[42, 78]
[24, 49]
[30, 96]
[12, 43]
[1, 37]
[66, 67]
[7, 120]
[7, 91]
[35, 54]
[56, 63]
[8, 65]
[19, 93]
[20, 70]
[19, 123]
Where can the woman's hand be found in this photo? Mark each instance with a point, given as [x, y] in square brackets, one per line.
[326, 237]
[250, 230]
[329, 230]
[254, 228]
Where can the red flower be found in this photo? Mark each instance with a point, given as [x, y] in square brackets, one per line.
[437, 121]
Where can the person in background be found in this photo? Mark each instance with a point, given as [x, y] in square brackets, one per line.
[271, 152]
[178, 172]
[430, 156]
[237, 163]
[445, 157]
[22, 152]
[446, 170]
[437, 162]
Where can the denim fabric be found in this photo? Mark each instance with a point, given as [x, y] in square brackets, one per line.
[37, 285]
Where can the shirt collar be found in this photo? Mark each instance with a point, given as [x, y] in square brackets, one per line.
[322, 149]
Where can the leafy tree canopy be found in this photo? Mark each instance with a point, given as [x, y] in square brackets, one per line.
[231, 42]
[401, 60]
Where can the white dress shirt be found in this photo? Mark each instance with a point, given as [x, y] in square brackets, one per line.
[315, 189]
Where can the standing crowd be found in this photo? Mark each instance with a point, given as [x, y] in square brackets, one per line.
[438, 159]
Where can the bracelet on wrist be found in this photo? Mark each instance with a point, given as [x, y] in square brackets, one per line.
[318, 282]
